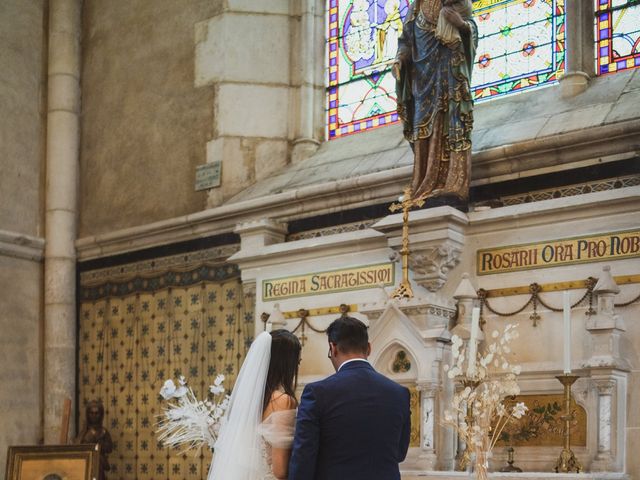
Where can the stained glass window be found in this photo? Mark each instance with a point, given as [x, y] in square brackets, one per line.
[363, 39]
[617, 35]
[521, 46]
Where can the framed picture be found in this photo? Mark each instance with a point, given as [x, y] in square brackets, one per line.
[53, 462]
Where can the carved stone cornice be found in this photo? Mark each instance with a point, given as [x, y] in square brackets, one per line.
[17, 245]
[436, 240]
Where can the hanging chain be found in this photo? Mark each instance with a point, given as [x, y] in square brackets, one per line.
[626, 304]
[535, 299]
[591, 283]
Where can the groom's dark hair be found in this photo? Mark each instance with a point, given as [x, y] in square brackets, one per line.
[349, 334]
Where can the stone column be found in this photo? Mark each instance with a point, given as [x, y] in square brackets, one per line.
[305, 143]
[579, 47]
[61, 210]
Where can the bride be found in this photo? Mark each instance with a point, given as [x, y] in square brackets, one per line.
[257, 432]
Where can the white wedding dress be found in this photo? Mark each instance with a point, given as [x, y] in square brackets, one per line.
[276, 432]
[243, 448]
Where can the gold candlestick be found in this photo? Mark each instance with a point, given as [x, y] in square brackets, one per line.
[567, 461]
[465, 457]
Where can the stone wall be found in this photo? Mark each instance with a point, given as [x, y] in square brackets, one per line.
[144, 123]
[22, 27]
[20, 357]
[21, 127]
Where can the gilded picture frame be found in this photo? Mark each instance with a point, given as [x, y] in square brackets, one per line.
[53, 462]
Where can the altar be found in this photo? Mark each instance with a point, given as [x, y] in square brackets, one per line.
[513, 263]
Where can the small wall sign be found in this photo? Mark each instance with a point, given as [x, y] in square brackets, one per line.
[208, 175]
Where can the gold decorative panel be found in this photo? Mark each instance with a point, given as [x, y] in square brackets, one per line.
[415, 417]
[542, 425]
[190, 319]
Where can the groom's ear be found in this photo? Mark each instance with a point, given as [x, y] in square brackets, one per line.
[368, 349]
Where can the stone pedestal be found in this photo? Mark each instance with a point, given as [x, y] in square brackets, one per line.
[436, 241]
[610, 371]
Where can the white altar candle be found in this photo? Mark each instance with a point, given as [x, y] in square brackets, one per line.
[566, 311]
[473, 342]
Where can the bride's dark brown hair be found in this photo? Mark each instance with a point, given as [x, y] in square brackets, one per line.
[283, 366]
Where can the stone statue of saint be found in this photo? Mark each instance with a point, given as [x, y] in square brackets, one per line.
[94, 433]
[433, 74]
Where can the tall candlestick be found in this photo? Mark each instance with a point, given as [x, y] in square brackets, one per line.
[566, 311]
[473, 342]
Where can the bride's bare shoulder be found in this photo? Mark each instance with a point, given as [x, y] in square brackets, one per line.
[281, 401]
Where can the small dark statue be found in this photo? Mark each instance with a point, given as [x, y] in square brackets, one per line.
[94, 432]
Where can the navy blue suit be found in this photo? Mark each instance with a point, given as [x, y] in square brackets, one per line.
[354, 425]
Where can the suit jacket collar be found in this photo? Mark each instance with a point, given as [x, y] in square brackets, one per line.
[355, 364]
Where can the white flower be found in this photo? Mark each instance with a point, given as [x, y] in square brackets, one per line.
[484, 361]
[168, 390]
[217, 388]
[181, 391]
[517, 369]
[519, 410]
[182, 380]
[495, 334]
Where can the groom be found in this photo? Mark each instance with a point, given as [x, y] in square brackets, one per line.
[355, 424]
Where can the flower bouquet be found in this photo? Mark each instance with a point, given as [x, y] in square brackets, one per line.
[478, 412]
[187, 422]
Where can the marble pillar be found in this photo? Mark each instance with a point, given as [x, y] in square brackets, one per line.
[428, 392]
[61, 210]
[605, 390]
